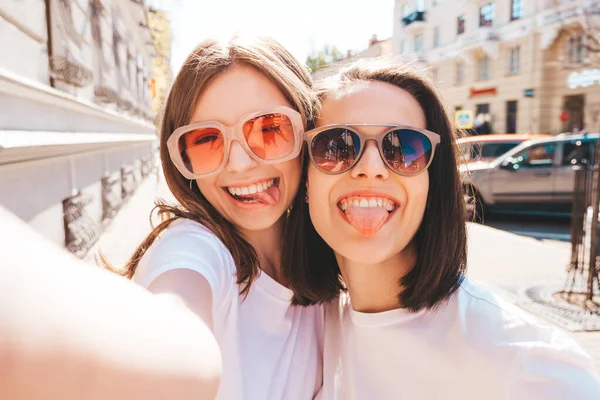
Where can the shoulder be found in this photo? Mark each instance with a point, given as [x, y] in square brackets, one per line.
[186, 244]
[545, 363]
[481, 310]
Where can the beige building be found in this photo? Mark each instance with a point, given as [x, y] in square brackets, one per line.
[162, 75]
[377, 48]
[521, 65]
[76, 131]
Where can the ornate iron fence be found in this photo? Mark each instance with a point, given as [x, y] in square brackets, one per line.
[583, 271]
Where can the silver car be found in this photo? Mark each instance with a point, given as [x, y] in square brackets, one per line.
[536, 176]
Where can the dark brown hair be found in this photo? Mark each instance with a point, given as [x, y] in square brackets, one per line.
[441, 239]
[207, 61]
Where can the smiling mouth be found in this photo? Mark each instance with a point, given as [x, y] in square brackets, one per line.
[367, 214]
[266, 192]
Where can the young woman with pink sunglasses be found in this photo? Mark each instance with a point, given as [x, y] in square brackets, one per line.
[231, 136]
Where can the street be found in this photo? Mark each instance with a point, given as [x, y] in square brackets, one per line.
[544, 228]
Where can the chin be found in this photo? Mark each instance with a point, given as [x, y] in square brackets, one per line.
[362, 250]
[258, 220]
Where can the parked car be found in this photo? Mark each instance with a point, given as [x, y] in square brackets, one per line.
[487, 148]
[537, 175]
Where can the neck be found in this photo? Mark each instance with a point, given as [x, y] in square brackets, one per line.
[374, 288]
[268, 244]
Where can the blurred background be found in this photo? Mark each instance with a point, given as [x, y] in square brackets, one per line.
[82, 83]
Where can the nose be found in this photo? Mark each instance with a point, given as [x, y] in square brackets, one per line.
[239, 160]
[370, 164]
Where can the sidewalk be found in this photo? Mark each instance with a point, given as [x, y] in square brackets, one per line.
[496, 258]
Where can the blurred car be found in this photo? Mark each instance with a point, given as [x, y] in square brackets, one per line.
[486, 148]
[537, 175]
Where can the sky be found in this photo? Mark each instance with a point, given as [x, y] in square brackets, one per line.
[302, 26]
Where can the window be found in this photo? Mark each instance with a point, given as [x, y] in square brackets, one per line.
[511, 117]
[436, 37]
[419, 43]
[487, 13]
[495, 150]
[403, 47]
[460, 73]
[514, 56]
[484, 68]
[576, 51]
[516, 9]
[577, 152]
[460, 25]
[436, 2]
[405, 10]
[537, 156]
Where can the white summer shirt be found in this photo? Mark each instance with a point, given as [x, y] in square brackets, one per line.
[271, 350]
[475, 347]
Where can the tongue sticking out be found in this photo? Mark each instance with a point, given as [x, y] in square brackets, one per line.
[367, 221]
[270, 196]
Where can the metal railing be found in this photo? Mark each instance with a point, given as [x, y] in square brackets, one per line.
[582, 286]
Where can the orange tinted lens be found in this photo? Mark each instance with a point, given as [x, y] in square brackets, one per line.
[202, 150]
[270, 136]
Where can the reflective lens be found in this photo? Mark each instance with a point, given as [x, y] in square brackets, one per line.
[406, 151]
[335, 150]
[270, 136]
[202, 150]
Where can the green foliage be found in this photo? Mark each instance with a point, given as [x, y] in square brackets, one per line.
[318, 59]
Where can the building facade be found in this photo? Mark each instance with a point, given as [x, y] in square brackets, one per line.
[518, 65]
[162, 75]
[377, 48]
[76, 131]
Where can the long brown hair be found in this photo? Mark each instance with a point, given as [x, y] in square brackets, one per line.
[441, 239]
[207, 61]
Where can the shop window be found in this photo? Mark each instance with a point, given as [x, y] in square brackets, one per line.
[436, 37]
[483, 119]
[403, 47]
[486, 14]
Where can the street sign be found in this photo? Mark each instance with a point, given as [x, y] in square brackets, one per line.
[463, 119]
[528, 92]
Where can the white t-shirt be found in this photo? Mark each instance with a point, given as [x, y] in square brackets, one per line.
[475, 347]
[271, 350]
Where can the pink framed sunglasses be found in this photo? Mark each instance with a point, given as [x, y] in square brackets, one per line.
[201, 149]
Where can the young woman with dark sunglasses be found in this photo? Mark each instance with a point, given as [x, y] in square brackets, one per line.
[231, 136]
[384, 195]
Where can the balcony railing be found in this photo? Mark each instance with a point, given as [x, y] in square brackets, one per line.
[417, 16]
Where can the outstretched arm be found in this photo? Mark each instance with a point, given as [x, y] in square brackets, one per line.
[69, 330]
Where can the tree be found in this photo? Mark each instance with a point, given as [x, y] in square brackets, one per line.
[319, 59]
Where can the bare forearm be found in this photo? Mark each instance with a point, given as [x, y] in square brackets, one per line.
[69, 330]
